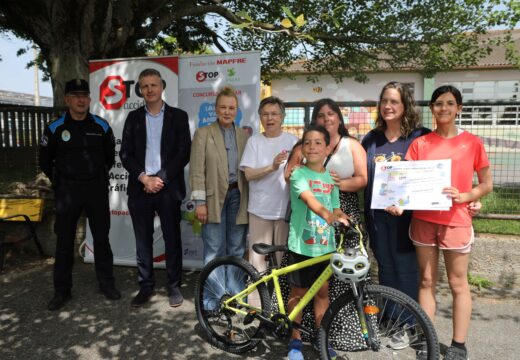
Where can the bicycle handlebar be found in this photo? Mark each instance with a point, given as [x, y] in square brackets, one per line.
[339, 226]
[353, 228]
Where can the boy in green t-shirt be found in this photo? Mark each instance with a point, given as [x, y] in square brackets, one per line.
[315, 205]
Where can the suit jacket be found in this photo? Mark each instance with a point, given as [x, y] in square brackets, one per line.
[209, 171]
[175, 150]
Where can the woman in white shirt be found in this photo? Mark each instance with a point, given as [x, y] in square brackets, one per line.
[262, 162]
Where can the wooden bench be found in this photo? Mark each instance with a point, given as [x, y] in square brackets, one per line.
[16, 209]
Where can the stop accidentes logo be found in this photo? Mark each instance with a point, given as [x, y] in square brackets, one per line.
[113, 92]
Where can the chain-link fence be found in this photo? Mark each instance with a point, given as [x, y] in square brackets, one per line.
[496, 123]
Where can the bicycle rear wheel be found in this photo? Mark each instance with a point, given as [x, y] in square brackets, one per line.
[223, 327]
[389, 315]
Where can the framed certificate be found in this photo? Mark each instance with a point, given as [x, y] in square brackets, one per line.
[412, 185]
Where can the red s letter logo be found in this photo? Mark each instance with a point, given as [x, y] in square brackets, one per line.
[201, 76]
[112, 92]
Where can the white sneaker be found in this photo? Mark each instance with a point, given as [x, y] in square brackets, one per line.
[402, 338]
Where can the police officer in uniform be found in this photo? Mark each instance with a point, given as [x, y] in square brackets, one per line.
[76, 153]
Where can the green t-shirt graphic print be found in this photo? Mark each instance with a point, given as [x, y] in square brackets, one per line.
[309, 234]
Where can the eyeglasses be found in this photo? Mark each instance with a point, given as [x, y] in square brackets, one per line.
[267, 115]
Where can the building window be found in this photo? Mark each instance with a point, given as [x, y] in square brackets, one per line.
[500, 90]
[489, 90]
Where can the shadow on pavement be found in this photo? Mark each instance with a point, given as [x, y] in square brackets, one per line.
[91, 327]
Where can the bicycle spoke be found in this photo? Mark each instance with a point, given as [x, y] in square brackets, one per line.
[221, 280]
[398, 328]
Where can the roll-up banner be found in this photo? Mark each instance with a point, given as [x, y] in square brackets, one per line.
[191, 84]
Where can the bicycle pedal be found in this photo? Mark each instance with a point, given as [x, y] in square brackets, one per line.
[251, 315]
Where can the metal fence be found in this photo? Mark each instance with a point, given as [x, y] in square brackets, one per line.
[21, 128]
[496, 123]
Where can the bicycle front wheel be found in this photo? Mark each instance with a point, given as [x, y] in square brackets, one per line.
[229, 327]
[397, 326]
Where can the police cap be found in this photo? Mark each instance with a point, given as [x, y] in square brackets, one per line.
[76, 85]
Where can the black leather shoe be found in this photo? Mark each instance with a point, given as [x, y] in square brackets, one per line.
[110, 292]
[58, 301]
[141, 298]
[176, 298]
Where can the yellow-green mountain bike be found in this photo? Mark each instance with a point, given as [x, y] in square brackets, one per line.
[233, 306]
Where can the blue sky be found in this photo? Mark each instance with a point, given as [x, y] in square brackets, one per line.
[13, 74]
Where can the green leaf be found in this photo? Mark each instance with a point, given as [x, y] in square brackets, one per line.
[244, 15]
[300, 20]
[339, 8]
[289, 14]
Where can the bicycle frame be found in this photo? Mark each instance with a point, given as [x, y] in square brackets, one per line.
[275, 274]
[364, 298]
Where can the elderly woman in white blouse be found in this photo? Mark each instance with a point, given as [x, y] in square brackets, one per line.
[263, 162]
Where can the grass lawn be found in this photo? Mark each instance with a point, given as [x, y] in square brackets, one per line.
[503, 200]
[494, 226]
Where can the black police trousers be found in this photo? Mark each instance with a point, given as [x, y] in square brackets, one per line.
[70, 199]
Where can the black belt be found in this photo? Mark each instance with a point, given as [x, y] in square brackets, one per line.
[233, 185]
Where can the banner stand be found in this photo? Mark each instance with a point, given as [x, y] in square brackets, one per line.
[191, 83]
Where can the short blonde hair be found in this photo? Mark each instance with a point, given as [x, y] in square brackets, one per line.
[226, 91]
[150, 72]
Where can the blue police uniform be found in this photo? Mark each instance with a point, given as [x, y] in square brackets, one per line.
[77, 156]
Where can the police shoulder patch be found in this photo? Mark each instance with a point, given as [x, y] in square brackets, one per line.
[44, 141]
[101, 122]
[56, 123]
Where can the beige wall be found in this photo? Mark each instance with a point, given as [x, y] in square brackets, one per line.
[300, 89]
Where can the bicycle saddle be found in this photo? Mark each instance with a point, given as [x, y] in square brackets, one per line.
[265, 249]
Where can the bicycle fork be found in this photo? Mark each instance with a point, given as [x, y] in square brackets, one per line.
[366, 328]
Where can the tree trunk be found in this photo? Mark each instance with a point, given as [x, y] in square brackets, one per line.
[66, 63]
[69, 33]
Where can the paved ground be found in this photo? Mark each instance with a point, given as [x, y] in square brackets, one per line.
[90, 327]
